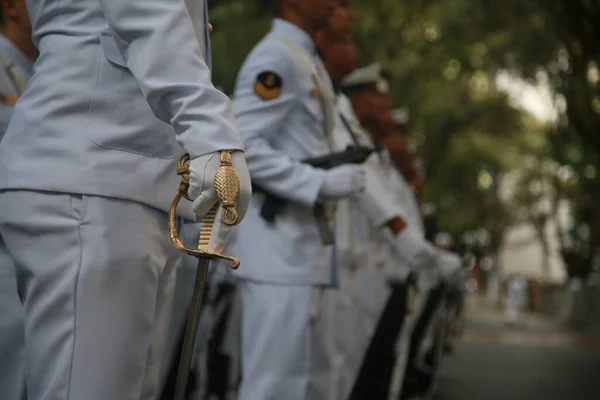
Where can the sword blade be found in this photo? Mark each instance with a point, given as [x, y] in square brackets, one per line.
[191, 327]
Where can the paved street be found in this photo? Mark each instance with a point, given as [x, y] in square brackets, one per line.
[537, 360]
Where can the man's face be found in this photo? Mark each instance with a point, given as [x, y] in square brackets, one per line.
[316, 11]
[335, 43]
[341, 55]
[340, 20]
[373, 111]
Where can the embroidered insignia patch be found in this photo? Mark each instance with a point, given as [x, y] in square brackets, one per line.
[268, 85]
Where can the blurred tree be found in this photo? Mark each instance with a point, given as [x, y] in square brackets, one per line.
[575, 73]
[443, 57]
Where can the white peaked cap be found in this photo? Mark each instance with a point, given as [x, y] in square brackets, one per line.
[400, 115]
[369, 75]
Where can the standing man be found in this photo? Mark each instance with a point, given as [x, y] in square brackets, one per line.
[391, 316]
[284, 102]
[17, 55]
[407, 247]
[87, 175]
[338, 347]
[404, 154]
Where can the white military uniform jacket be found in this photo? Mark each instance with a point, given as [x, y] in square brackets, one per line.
[284, 102]
[374, 208]
[119, 87]
[404, 196]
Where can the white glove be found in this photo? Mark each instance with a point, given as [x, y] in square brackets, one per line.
[343, 181]
[202, 189]
[414, 250]
[449, 265]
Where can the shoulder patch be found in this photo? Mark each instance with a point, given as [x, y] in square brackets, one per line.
[268, 85]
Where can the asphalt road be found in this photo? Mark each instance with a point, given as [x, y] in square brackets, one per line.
[534, 361]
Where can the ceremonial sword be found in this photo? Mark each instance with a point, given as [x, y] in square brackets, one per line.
[227, 188]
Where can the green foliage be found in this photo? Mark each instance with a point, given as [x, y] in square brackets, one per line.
[443, 57]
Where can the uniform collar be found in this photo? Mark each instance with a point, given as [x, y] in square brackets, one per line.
[15, 55]
[293, 33]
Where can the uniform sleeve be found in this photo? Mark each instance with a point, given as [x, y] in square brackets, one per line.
[266, 92]
[161, 49]
[378, 202]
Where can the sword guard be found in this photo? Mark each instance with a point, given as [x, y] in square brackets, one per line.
[227, 187]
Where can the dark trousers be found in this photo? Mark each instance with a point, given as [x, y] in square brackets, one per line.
[375, 375]
[416, 381]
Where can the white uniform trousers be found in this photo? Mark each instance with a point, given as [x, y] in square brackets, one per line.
[337, 357]
[96, 276]
[277, 340]
[12, 335]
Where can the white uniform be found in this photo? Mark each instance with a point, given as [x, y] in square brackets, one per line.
[87, 175]
[392, 268]
[415, 302]
[351, 313]
[283, 101]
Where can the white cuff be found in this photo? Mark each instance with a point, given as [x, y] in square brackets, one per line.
[449, 264]
[413, 249]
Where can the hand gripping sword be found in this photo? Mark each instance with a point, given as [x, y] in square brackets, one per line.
[227, 187]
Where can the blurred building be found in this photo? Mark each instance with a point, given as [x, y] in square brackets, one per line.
[522, 252]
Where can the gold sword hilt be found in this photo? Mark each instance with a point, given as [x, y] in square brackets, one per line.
[227, 187]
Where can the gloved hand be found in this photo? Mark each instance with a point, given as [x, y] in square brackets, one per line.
[343, 181]
[202, 191]
[449, 265]
[414, 250]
